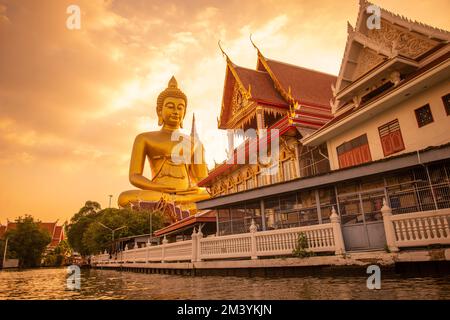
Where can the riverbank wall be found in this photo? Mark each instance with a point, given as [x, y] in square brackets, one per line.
[427, 262]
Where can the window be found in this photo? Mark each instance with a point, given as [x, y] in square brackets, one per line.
[446, 100]
[249, 183]
[391, 138]
[240, 187]
[354, 152]
[261, 179]
[230, 187]
[424, 115]
[274, 172]
[287, 170]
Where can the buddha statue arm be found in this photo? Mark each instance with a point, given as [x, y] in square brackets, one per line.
[137, 163]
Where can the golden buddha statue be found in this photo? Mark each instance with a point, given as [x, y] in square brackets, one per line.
[175, 172]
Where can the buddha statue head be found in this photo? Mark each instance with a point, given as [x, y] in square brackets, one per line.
[171, 106]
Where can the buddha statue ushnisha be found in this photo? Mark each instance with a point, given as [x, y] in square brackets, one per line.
[175, 170]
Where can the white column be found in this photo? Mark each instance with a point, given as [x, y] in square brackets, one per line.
[163, 248]
[259, 118]
[386, 211]
[297, 161]
[199, 240]
[253, 230]
[147, 248]
[194, 246]
[337, 233]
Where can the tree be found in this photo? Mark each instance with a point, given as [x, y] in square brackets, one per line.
[90, 208]
[87, 236]
[80, 223]
[98, 238]
[27, 241]
[58, 256]
[2, 250]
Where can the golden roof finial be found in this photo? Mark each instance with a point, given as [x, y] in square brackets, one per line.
[254, 45]
[220, 47]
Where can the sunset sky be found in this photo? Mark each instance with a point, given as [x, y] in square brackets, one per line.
[72, 101]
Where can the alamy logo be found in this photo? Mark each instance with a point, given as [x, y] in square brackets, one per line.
[374, 280]
[73, 22]
[374, 20]
[74, 278]
[261, 147]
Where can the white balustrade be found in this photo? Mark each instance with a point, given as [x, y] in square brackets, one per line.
[231, 246]
[247, 245]
[282, 242]
[420, 228]
[267, 243]
[320, 238]
[178, 251]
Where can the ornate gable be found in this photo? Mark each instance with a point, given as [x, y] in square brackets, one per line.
[235, 96]
[406, 43]
[239, 100]
[367, 60]
[397, 37]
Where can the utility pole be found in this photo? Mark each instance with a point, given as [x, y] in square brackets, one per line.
[4, 253]
[112, 235]
[151, 227]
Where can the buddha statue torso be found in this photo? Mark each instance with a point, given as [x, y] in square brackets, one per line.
[167, 169]
[174, 173]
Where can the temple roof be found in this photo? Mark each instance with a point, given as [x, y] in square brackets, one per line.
[347, 113]
[56, 232]
[306, 86]
[276, 85]
[261, 86]
[397, 37]
[200, 217]
[58, 235]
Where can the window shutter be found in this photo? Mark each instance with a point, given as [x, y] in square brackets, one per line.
[391, 138]
[354, 152]
[387, 144]
[366, 153]
[397, 141]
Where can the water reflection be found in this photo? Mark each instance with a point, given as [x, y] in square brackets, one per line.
[108, 284]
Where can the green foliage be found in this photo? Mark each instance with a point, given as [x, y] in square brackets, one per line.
[80, 223]
[87, 236]
[302, 244]
[58, 256]
[2, 248]
[27, 242]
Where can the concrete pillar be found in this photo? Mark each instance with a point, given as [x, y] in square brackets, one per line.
[253, 229]
[199, 240]
[194, 246]
[163, 248]
[389, 230]
[147, 248]
[337, 233]
[263, 215]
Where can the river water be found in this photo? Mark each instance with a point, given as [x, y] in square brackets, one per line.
[109, 284]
